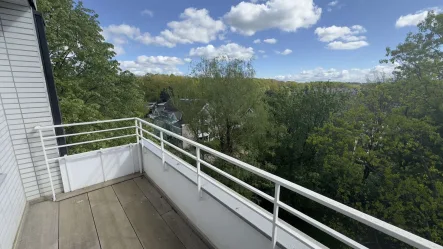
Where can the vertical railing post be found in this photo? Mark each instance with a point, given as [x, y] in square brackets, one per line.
[163, 149]
[136, 131]
[47, 164]
[102, 164]
[275, 218]
[199, 184]
[141, 146]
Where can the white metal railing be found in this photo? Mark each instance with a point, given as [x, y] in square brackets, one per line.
[278, 182]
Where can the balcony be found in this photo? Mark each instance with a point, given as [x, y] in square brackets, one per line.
[143, 195]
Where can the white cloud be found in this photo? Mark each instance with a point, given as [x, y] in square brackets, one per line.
[415, 19]
[147, 13]
[345, 75]
[270, 41]
[333, 3]
[196, 26]
[261, 51]
[342, 38]
[257, 41]
[287, 15]
[231, 51]
[285, 52]
[333, 33]
[339, 45]
[188, 60]
[119, 35]
[153, 64]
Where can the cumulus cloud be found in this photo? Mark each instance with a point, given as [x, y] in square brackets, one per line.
[188, 60]
[270, 41]
[285, 52]
[287, 15]
[342, 38]
[231, 51]
[345, 75]
[195, 26]
[153, 64]
[257, 41]
[339, 45]
[415, 19]
[125, 32]
[147, 12]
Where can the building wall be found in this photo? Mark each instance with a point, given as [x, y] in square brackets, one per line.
[24, 96]
[12, 196]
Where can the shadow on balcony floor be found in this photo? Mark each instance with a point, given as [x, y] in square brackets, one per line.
[129, 214]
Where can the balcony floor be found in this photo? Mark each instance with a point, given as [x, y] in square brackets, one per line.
[131, 214]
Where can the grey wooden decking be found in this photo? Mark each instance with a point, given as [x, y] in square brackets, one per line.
[131, 214]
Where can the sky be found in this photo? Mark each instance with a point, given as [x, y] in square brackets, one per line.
[297, 40]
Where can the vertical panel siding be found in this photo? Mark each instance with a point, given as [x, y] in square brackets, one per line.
[24, 94]
[12, 196]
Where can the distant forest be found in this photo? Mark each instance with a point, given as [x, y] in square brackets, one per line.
[376, 147]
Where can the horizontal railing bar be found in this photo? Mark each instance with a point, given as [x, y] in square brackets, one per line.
[150, 134]
[301, 237]
[227, 190]
[88, 142]
[173, 156]
[238, 181]
[181, 150]
[324, 228]
[88, 132]
[83, 123]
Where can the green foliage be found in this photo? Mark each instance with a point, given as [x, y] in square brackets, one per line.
[89, 83]
[225, 101]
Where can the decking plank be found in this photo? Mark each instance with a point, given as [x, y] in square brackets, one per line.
[113, 227]
[151, 229]
[186, 235]
[77, 228]
[153, 195]
[40, 227]
[64, 196]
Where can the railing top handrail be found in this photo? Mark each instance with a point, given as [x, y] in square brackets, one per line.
[371, 221]
[82, 123]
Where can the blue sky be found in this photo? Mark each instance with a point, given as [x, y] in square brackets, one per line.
[314, 40]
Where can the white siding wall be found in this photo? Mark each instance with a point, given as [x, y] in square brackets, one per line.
[24, 96]
[12, 197]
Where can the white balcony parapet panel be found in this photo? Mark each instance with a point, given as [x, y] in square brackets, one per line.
[224, 217]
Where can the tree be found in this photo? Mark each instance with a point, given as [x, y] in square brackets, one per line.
[90, 85]
[87, 77]
[419, 68]
[376, 159]
[420, 56]
[297, 112]
[234, 112]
